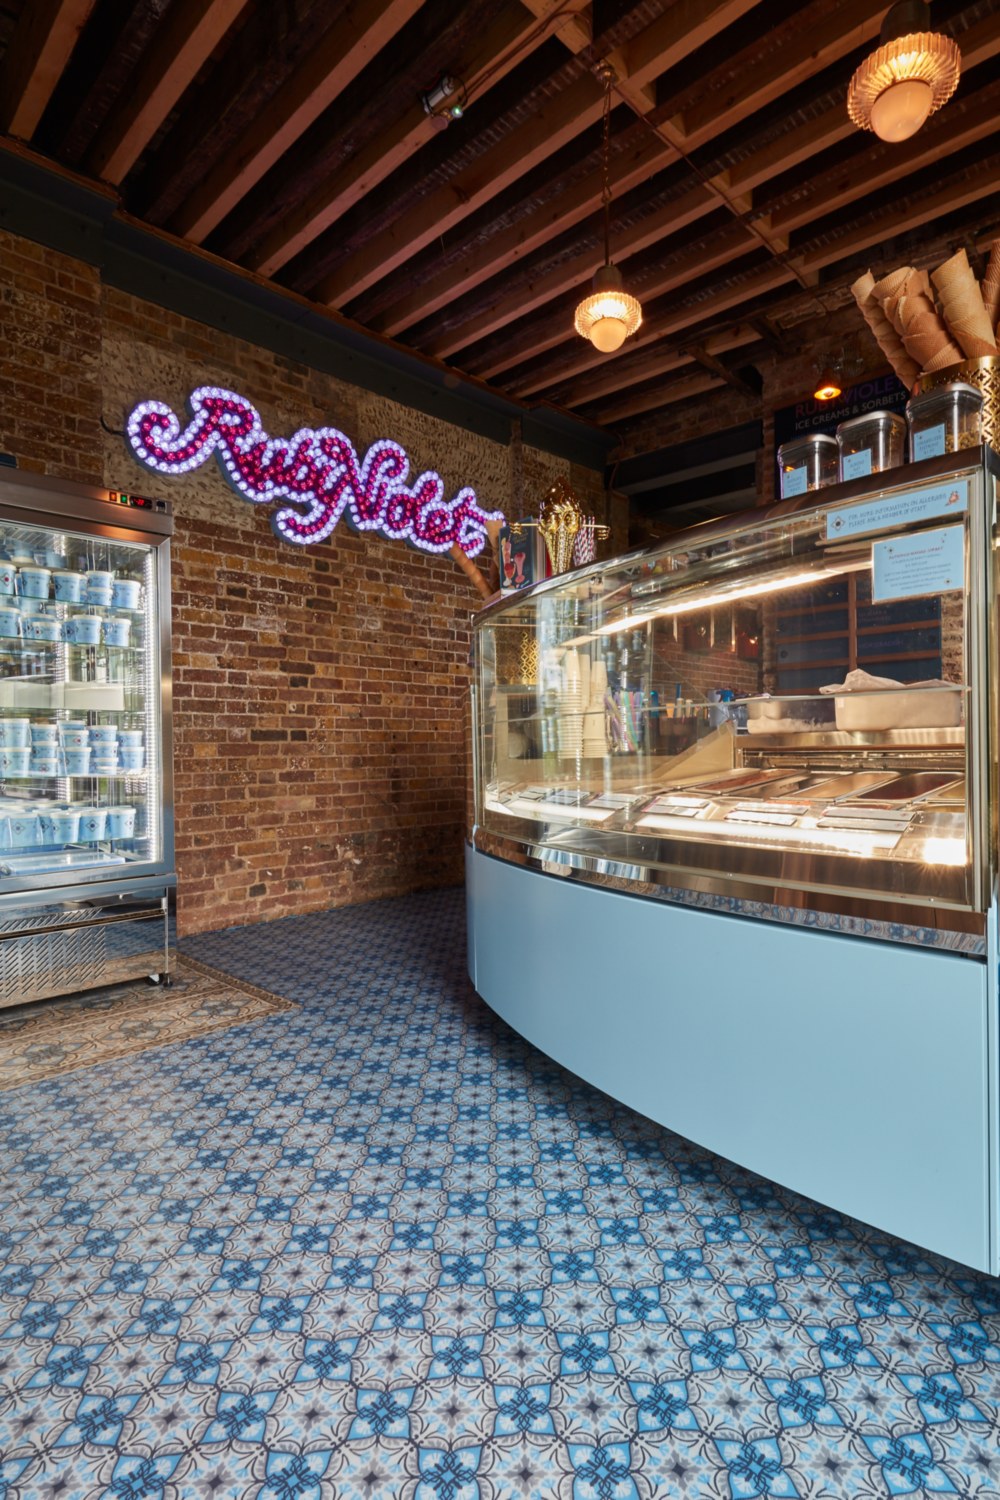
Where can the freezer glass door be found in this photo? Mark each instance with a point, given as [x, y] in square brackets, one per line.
[81, 744]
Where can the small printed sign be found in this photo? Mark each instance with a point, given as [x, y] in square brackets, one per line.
[794, 482]
[929, 443]
[899, 510]
[932, 562]
[856, 465]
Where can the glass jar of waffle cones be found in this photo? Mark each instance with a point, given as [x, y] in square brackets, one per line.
[949, 414]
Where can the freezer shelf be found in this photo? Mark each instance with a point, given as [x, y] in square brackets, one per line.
[62, 859]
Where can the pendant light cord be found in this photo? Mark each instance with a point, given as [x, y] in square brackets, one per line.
[608, 75]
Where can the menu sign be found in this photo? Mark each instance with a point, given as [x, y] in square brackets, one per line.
[931, 562]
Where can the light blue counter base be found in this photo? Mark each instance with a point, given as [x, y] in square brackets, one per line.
[850, 1071]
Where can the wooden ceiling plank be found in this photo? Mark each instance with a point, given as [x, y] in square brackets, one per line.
[582, 356]
[356, 37]
[816, 46]
[189, 35]
[659, 361]
[574, 23]
[701, 356]
[880, 167]
[527, 298]
[685, 27]
[552, 217]
[872, 234]
[666, 395]
[556, 123]
[979, 43]
[39, 50]
[496, 55]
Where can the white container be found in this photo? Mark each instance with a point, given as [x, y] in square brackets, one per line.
[870, 444]
[789, 715]
[14, 762]
[34, 582]
[900, 708]
[121, 822]
[14, 733]
[69, 587]
[807, 463]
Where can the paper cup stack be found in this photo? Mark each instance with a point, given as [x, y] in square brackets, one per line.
[570, 706]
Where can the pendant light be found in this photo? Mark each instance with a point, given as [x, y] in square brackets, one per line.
[911, 74]
[828, 387]
[609, 314]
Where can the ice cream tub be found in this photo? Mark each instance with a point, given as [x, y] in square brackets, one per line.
[60, 825]
[125, 593]
[93, 824]
[69, 587]
[14, 760]
[121, 822]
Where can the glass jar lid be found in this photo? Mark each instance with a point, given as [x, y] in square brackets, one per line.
[955, 393]
[815, 440]
[884, 420]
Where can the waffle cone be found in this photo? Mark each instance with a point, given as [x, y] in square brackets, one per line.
[972, 344]
[993, 264]
[950, 355]
[884, 333]
[891, 285]
[966, 316]
[925, 336]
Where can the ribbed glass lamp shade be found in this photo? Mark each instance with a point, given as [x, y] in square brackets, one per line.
[609, 314]
[901, 83]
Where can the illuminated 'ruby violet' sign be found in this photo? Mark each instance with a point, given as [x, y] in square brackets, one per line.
[316, 469]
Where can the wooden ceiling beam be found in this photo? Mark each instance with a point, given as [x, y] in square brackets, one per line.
[816, 44]
[527, 298]
[39, 50]
[556, 122]
[659, 359]
[188, 36]
[872, 233]
[581, 356]
[497, 54]
[709, 362]
[641, 402]
[666, 43]
[355, 38]
[729, 244]
[553, 216]
[883, 164]
[979, 43]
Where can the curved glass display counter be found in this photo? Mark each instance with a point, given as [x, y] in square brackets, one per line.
[735, 810]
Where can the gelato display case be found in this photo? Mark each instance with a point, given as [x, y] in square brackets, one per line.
[735, 804]
[86, 840]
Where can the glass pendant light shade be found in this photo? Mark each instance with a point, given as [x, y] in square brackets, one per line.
[609, 314]
[902, 82]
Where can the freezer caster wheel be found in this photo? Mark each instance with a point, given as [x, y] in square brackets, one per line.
[164, 980]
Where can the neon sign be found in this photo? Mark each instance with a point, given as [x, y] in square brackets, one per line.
[316, 469]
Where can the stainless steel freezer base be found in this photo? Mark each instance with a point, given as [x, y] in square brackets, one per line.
[82, 938]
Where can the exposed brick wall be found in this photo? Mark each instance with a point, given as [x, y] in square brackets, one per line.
[50, 375]
[319, 693]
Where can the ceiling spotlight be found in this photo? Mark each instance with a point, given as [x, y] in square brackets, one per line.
[446, 100]
[910, 75]
[610, 313]
[828, 387]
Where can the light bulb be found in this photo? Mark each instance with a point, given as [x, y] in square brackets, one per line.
[607, 334]
[900, 111]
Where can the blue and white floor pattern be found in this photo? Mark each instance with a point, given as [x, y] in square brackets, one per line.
[383, 1248]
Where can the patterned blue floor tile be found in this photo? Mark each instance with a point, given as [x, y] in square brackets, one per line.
[381, 1249]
